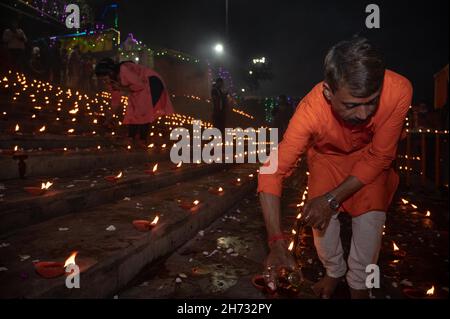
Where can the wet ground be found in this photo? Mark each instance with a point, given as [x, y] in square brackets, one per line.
[221, 260]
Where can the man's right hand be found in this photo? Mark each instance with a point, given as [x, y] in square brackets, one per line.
[279, 257]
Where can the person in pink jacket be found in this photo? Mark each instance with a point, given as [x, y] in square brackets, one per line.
[147, 95]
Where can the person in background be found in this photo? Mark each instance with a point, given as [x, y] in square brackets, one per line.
[281, 115]
[148, 97]
[36, 66]
[220, 104]
[74, 67]
[15, 41]
[55, 63]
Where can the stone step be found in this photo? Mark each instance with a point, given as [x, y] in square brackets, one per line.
[59, 163]
[19, 209]
[108, 260]
[52, 141]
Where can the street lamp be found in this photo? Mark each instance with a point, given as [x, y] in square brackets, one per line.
[218, 48]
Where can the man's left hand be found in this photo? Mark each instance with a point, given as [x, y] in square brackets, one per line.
[317, 213]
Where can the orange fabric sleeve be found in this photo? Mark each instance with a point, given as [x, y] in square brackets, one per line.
[382, 150]
[297, 138]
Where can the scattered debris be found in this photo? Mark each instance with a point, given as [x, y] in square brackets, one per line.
[111, 228]
[24, 257]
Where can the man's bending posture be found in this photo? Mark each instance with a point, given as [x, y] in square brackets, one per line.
[349, 126]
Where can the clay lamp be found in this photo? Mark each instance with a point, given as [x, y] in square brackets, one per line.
[145, 225]
[177, 166]
[189, 205]
[216, 191]
[236, 182]
[114, 179]
[152, 171]
[397, 252]
[36, 191]
[52, 269]
[415, 293]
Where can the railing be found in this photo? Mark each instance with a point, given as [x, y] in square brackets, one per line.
[423, 156]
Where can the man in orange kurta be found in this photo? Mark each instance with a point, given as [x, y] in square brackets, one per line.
[348, 126]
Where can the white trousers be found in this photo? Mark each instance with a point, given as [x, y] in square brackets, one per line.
[367, 232]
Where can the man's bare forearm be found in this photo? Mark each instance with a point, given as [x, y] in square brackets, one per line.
[270, 205]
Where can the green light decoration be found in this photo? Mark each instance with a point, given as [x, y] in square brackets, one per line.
[269, 105]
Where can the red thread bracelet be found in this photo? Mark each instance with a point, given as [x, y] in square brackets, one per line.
[275, 238]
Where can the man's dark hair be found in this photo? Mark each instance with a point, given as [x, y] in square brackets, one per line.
[354, 63]
[106, 66]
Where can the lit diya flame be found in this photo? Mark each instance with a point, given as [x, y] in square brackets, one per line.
[428, 214]
[153, 171]
[291, 246]
[196, 202]
[17, 128]
[179, 164]
[155, 221]
[404, 201]
[414, 206]
[430, 292]
[42, 129]
[71, 259]
[119, 175]
[216, 191]
[16, 148]
[46, 185]
[299, 216]
[395, 247]
[293, 232]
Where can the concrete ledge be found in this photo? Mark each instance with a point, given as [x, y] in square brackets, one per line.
[52, 141]
[69, 163]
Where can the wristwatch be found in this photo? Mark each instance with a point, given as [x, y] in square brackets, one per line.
[332, 202]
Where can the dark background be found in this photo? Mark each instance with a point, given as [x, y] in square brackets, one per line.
[293, 35]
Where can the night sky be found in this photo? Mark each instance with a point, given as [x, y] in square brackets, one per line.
[294, 35]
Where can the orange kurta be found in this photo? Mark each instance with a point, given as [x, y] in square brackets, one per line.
[140, 109]
[335, 151]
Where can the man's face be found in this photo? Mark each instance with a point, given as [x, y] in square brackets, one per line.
[354, 111]
[106, 80]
